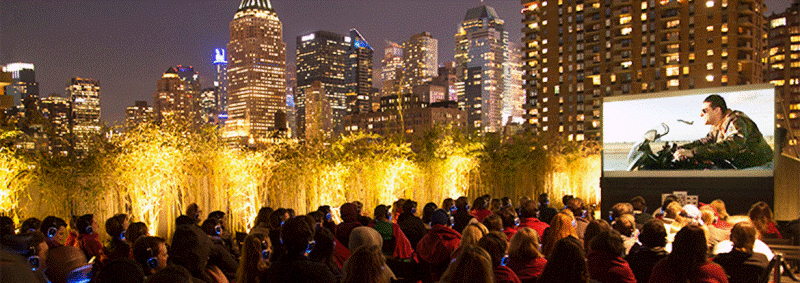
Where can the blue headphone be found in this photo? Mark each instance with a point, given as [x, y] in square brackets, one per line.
[218, 229]
[504, 260]
[122, 235]
[52, 232]
[33, 259]
[152, 262]
[311, 245]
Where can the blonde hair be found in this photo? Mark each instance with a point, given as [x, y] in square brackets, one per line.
[366, 265]
[719, 207]
[473, 233]
[524, 245]
[560, 227]
[473, 265]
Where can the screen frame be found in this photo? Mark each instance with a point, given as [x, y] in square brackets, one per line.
[688, 173]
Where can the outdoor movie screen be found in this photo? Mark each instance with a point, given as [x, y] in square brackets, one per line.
[728, 131]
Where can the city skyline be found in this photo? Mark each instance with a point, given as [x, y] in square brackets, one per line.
[127, 46]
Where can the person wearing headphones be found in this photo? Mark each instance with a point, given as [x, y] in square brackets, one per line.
[295, 266]
[89, 238]
[435, 247]
[54, 230]
[151, 253]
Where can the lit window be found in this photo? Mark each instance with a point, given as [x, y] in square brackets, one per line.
[627, 30]
[710, 3]
[644, 5]
[778, 22]
[544, 4]
[777, 82]
[644, 18]
[723, 79]
[710, 28]
[674, 82]
[686, 70]
[673, 71]
[795, 38]
[723, 66]
[673, 23]
[710, 78]
[624, 20]
[710, 52]
[709, 66]
[724, 27]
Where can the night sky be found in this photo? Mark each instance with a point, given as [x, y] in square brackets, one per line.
[127, 45]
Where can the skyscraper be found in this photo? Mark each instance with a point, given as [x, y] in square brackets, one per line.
[172, 101]
[56, 111]
[221, 85]
[480, 58]
[256, 73]
[321, 57]
[291, 87]
[513, 94]
[392, 60]
[577, 52]
[358, 76]
[784, 42]
[420, 59]
[139, 113]
[84, 96]
[24, 85]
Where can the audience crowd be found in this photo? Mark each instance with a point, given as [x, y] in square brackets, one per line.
[491, 240]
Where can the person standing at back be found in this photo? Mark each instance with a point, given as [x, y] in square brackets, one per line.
[546, 213]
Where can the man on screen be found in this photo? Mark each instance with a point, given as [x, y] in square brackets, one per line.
[733, 138]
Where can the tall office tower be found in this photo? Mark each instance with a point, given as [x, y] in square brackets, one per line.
[56, 111]
[577, 52]
[480, 56]
[24, 86]
[256, 73]
[84, 97]
[139, 113]
[221, 85]
[193, 89]
[420, 59]
[291, 86]
[6, 101]
[321, 57]
[392, 60]
[358, 75]
[171, 101]
[207, 106]
[513, 94]
[318, 112]
[784, 43]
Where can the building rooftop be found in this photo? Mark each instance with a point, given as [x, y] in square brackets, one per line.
[255, 4]
[481, 12]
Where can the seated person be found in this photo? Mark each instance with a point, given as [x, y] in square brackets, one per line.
[742, 264]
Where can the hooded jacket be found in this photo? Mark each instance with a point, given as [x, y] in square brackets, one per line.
[534, 224]
[349, 221]
[436, 246]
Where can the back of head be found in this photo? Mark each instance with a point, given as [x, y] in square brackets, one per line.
[689, 248]
[218, 215]
[136, 230]
[638, 203]
[667, 200]
[566, 198]
[496, 245]
[462, 203]
[325, 245]
[577, 207]
[366, 265]
[472, 233]
[114, 228]
[256, 251]
[427, 211]
[62, 261]
[625, 225]
[719, 207]
[594, 228]
[382, 212]
[349, 212]
[6, 226]
[171, 274]
[567, 263]
[209, 226]
[52, 222]
[480, 203]
[144, 249]
[528, 209]
[296, 235]
[743, 236]
[30, 224]
[410, 207]
[276, 219]
[183, 220]
[473, 265]
[364, 236]
[609, 242]
[543, 199]
[262, 216]
[653, 234]
[122, 270]
[493, 222]
[524, 244]
[508, 216]
[621, 208]
[190, 248]
[84, 224]
[440, 217]
[760, 214]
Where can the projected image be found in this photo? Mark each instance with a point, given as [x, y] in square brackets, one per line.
[700, 130]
